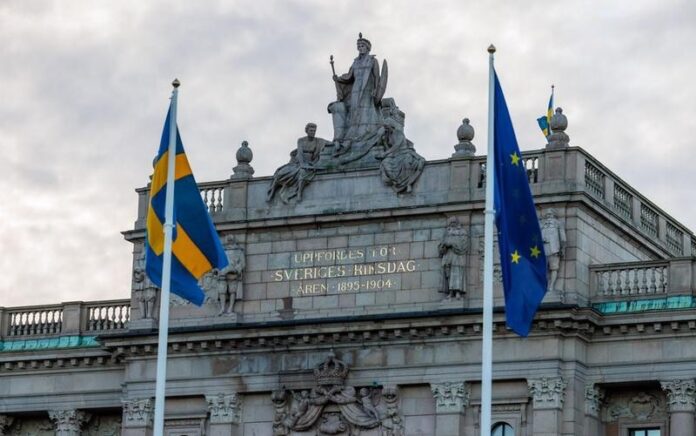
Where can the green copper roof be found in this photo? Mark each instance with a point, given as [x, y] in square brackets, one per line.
[632, 306]
[49, 343]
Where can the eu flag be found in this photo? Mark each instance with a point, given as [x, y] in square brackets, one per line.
[522, 257]
[196, 247]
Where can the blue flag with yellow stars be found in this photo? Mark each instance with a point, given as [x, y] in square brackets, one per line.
[196, 247]
[522, 257]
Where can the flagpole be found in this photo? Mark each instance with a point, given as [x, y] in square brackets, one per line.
[161, 376]
[487, 340]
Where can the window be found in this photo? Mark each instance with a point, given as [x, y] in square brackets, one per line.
[644, 432]
[505, 429]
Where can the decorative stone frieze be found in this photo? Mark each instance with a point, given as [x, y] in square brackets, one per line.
[68, 422]
[138, 413]
[547, 392]
[224, 408]
[639, 406]
[450, 397]
[594, 398]
[332, 408]
[681, 395]
[5, 423]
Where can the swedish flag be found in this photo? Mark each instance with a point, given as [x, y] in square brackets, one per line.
[545, 121]
[196, 247]
[522, 257]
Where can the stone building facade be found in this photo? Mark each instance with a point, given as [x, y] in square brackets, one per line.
[355, 308]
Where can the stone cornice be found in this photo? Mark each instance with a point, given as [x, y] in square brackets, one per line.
[448, 325]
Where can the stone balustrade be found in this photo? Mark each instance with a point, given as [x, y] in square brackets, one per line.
[662, 278]
[72, 318]
[460, 179]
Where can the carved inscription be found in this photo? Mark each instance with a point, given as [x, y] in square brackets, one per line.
[346, 270]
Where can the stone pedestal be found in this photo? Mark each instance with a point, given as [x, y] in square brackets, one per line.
[594, 397]
[68, 422]
[681, 398]
[548, 395]
[137, 417]
[451, 400]
[225, 414]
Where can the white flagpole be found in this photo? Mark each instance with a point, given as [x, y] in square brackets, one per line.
[161, 378]
[487, 341]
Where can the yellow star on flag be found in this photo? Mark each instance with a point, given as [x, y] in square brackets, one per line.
[515, 158]
[516, 257]
[535, 251]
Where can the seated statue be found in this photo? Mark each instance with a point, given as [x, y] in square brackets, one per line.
[401, 165]
[356, 114]
[290, 180]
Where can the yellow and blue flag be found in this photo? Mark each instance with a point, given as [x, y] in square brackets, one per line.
[522, 257]
[545, 121]
[196, 247]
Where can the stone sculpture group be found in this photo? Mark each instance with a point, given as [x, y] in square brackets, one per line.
[368, 132]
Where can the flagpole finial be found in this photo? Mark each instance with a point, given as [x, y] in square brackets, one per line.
[176, 83]
[491, 49]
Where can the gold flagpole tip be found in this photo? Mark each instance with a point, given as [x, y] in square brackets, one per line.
[176, 83]
[491, 49]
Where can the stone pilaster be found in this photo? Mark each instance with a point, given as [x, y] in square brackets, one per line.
[594, 398]
[225, 414]
[548, 394]
[681, 399]
[68, 422]
[451, 400]
[5, 423]
[138, 417]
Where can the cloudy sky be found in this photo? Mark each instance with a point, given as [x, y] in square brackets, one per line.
[85, 86]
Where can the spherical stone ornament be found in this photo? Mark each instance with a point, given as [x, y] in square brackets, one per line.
[244, 154]
[559, 122]
[465, 132]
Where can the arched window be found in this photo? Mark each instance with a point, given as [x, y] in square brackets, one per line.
[502, 429]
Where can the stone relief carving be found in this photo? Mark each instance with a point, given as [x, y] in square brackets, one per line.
[547, 392]
[103, 426]
[594, 398]
[681, 395]
[138, 413]
[224, 408]
[290, 180]
[497, 271]
[640, 406]
[5, 423]
[69, 422]
[31, 427]
[554, 236]
[401, 166]
[450, 397]
[144, 290]
[332, 408]
[453, 249]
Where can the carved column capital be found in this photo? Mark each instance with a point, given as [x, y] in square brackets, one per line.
[450, 397]
[138, 413]
[224, 408]
[547, 392]
[681, 395]
[5, 423]
[594, 397]
[68, 422]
